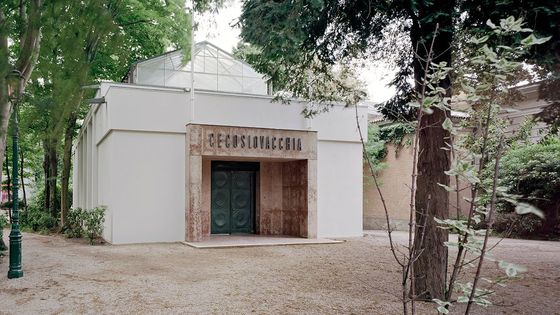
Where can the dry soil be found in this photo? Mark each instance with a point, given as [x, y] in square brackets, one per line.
[356, 277]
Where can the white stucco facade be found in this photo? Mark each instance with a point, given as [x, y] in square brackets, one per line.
[131, 158]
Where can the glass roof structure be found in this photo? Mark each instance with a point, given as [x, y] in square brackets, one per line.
[214, 70]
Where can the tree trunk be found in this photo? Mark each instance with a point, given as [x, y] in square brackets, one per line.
[431, 201]
[430, 269]
[5, 108]
[53, 179]
[47, 172]
[4, 117]
[66, 167]
[50, 167]
[24, 65]
[9, 185]
[11, 85]
[8, 180]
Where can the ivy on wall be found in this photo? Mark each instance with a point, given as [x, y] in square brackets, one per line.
[380, 136]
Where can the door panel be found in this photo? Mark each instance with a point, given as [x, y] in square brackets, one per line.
[242, 202]
[232, 200]
[220, 202]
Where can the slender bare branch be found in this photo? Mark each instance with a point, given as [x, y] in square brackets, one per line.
[490, 221]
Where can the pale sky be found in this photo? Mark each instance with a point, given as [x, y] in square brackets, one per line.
[219, 30]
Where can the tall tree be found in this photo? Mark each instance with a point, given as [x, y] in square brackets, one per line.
[432, 34]
[300, 37]
[98, 43]
[20, 24]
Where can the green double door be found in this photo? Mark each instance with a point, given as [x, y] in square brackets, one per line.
[233, 197]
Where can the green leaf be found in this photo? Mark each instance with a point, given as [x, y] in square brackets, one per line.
[511, 269]
[463, 299]
[446, 187]
[525, 208]
[428, 110]
[447, 124]
[471, 177]
[451, 172]
[467, 88]
[442, 306]
[482, 302]
[532, 40]
[428, 101]
[478, 41]
[476, 219]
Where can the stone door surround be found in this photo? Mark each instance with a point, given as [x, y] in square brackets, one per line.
[211, 142]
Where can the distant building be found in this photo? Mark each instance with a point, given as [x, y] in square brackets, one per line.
[396, 177]
[168, 169]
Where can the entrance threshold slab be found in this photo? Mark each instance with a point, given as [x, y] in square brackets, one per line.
[227, 241]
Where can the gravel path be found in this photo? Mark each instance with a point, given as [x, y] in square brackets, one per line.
[355, 277]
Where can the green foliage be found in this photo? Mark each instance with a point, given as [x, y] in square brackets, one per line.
[375, 147]
[286, 53]
[380, 136]
[485, 78]
[96, 40]
[74, 225]
[3, 222]
[37, 217]
[37, 220]
[285, 36]
[532, 172]
[80, 223]
[39, 198]
[8, 204]
[93, 223]
[513, 224]
[396, 133]
[544, 17]
[301, 34]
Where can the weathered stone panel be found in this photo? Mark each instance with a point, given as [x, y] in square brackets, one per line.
[286, 196]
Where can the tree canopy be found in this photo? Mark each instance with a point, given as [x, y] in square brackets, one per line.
[297, 41]
[59, 47]
[308, 38]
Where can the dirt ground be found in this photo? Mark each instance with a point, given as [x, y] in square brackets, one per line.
[355, 277]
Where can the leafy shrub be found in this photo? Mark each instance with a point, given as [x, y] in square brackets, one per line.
[37, 219]
[533, 172]
[396, 133]
[379, 137]
[74, 225]
[518, 225]
[80, 223]
[93, 221]
[3, 222]
[375, 147]
[39, 198]
[8, 204]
